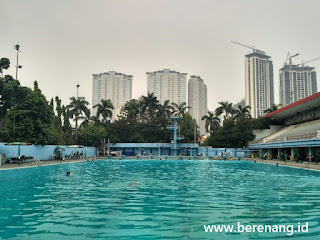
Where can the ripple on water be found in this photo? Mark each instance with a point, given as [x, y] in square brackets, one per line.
[155, 199]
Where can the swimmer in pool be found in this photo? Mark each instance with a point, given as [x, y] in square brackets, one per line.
[68, 174]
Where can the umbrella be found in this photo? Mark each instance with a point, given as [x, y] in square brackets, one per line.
[60, 148]
[18, 144]
[77, 146]
[58, 151]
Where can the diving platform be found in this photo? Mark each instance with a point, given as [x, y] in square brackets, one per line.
[175, 136]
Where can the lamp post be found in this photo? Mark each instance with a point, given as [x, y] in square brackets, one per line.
[291, 76]
[77, 116]
[78, 90]
[17, 47]
[195, 131]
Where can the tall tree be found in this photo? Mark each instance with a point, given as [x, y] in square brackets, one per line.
[66, 117]
[51, 104]
[76, 108]
[4, 64]
[11, 93]
[211, 122]
[131, 111]
[226, 108]
[274, 107]
[36, 86]
[187, 128]
[242, 113]
[232, 135]
[150, 105]
[87, 119]
[92, 134]
[165, 110]
[58, 109]
[104, 109]
[180, 109]
[58, 106]
[30, 119]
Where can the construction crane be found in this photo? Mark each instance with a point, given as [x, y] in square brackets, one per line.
[303, 63]
[290, 57]
[291, 90]
[250, 47]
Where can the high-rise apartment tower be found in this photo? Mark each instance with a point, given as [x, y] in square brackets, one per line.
[114, 86]
[296, 82]
[259, 89]
[167, 85]
[197, 101]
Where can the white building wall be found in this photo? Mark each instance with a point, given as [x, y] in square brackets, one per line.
[259, 89]
[167, 85]
[296, 83]
[114, 86]
[197, 101]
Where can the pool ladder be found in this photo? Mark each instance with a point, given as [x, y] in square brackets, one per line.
[37, 161]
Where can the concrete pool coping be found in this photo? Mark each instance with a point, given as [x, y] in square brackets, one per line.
[293, 164]
[9, 166]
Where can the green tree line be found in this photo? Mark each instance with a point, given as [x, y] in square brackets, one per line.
[27, 116]
[237, 128]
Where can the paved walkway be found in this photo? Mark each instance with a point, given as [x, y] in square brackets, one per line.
[288, 163]
[43, 163]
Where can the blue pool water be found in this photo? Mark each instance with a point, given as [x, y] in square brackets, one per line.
[152, 199]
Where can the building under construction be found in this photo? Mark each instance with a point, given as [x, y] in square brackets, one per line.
[296, 82]
[259, 87]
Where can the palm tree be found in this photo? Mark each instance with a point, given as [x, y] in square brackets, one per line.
[274, 107]
[180, 110]
[76, 107]
[66, 116]
[225, 107]
[59, 109]
[104, 109]
[87, 118]
[150, 104]
[165, 110]
[96, 121]
[130, 111]
[242, 113]
[212, 122]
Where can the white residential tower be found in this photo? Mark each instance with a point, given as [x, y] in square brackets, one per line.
[296, 82]
[197, 101]
[114, 86]
[259, 89]
[168, 85]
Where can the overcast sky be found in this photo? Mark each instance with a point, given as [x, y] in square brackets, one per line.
[64, 42]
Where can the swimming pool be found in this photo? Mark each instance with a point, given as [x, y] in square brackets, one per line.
[152, 199]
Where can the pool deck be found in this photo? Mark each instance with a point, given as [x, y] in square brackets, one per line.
[43, 163]
[294, 164]
[304, 165]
